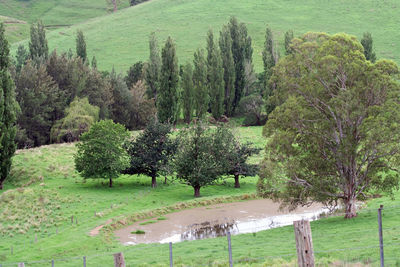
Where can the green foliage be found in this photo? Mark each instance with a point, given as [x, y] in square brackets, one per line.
[153, 70]
[135, 74]
[238, 156]
[94, 63]
[215, 76]
[142, 109]
[333, 133]
[201, 157]
[225, 44]
[242, 53]
[40, 100]
[81, 46]
[367, 43]
[252, 107]
[167, 98]
[97, 89]
[151, 151]
[120, 108]
[79, 116]
[8, 110]
[38, 47]
[200, 84]
[100, 153]
[268, 56]
[188, 92]
[288, 38]
[21, 57]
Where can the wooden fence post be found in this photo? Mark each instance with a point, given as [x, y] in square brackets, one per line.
[84, 261]
[52, 263]
[171, 261]
[21, 264]
[305, 254]
[381, 236]
[119, 260]
[230, 249]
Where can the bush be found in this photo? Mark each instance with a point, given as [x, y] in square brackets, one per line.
[79, 117]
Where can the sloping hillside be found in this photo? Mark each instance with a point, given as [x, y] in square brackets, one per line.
[121, 39]
[16, 30]
[55, 12]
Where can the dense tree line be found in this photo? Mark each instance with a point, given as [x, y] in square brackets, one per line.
[220, 81]
[48, 87]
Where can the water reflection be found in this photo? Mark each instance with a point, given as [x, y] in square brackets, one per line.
[216, 229]
[208, 229]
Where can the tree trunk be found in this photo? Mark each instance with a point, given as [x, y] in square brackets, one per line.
[114, 2]
[237, 185]
[110, 184]
[1, 184]
[196, 191]
[165, 180]
[350, 206]
[153, 181]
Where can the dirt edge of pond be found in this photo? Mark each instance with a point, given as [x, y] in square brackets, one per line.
[121, 221]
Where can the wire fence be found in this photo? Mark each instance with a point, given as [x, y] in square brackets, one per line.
[338, 243]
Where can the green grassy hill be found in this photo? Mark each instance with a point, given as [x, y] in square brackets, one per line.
[53, 13]
[121, 39]
[16, 30]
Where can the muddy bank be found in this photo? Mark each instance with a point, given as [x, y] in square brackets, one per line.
[216, 220]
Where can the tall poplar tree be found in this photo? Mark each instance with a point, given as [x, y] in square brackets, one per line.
[8, 110]
[38, 47]
[268, 55]
[367, 43]
[188, 92]
[225, 44]
[201, 100]
[288, 39]
[215, 74]
[154, 68]
[270, 58]
[81, 46]
[242, 53]
[167, 97]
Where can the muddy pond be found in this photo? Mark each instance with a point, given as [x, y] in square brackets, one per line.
[213, 221]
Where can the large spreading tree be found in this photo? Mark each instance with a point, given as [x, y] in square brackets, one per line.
[151, 151]
[8, 110]
[201, 157]
[335, 128]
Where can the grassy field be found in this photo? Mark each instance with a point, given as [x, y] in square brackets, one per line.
[16, 30]
[53, 13]
[45, 192]
[121, 39]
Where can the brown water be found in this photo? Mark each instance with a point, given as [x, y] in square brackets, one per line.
[216, 220]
